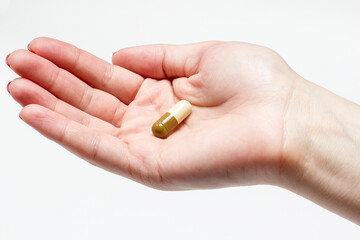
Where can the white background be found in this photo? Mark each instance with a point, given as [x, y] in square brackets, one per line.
[48, 193]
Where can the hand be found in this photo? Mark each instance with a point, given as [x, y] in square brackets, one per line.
[104, 112]
[254, 120]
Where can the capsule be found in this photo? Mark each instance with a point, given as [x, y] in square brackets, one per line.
[167, 122]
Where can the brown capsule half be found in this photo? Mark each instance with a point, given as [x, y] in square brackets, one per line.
[168, 122]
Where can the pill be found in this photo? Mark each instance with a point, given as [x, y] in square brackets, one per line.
[167, 122]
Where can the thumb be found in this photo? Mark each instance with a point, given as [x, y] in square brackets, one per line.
[161, 61]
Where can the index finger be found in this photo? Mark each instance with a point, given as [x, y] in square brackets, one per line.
[96, 72]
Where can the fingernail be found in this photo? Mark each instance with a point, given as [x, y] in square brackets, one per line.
[20, 117]
[6, 60]
[7, 87]
[93, 164]
[28, 47]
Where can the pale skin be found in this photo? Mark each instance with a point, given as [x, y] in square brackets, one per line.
[254, 120]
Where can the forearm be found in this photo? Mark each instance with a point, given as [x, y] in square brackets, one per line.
[322, 149]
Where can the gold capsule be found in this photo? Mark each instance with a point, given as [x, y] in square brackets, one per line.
[167, 122]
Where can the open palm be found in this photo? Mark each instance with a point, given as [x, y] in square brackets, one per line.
[104, 112]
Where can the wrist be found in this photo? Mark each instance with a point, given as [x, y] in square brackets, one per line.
[321, 149]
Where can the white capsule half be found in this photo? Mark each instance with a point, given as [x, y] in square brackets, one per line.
[180, 110]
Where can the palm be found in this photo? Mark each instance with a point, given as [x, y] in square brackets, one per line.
[233, 132]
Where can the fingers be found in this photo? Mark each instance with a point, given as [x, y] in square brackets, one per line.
[66, 86]
[26, 92]
[162, 61]
[96, 72]
[104, 150]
